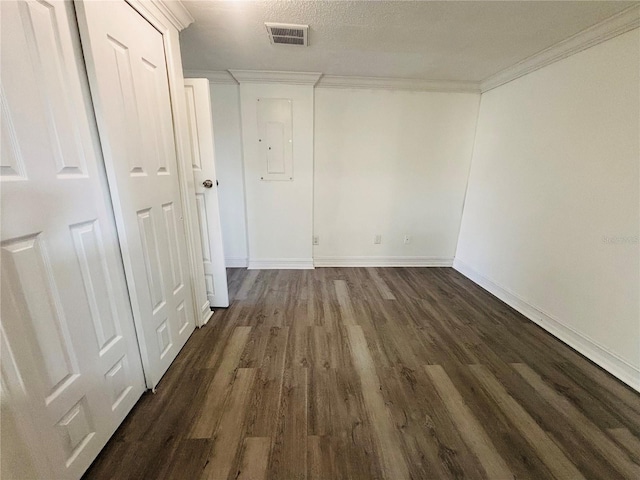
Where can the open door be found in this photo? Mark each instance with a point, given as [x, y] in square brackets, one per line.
[204, 172]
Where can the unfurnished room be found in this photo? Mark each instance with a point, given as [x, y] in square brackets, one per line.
[319, 240]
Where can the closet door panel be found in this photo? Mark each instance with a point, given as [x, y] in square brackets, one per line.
[66, 321]
[129, 85]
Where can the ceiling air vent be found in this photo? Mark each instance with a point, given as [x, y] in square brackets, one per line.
[287, 34]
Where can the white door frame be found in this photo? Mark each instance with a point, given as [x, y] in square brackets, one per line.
[169, 18]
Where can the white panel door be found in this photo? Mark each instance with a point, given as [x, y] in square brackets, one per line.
[71, 367]
[128, 77]
[204, 173]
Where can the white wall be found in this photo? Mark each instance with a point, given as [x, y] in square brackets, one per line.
[279, 213]
[392, 163]
[552, 209]
[225, 107]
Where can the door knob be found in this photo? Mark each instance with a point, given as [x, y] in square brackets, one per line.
[207, 184]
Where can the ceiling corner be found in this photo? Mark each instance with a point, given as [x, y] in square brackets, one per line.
[625, 21]
[176, 13]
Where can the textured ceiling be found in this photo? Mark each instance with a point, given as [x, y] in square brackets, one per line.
[447, 40]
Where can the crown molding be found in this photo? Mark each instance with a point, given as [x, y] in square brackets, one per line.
[263, 76]
[233, 77]
[222, 77]
[176, 13]
[410, 84]
[618, 24]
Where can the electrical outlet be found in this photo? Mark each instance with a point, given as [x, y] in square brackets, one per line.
[377, 240]
[316, 240]
[407, 239]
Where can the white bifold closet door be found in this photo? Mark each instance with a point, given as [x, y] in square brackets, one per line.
[128, 76]
[206, 186]
[70, 364]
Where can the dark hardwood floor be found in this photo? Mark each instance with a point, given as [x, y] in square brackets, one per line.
[379, 373]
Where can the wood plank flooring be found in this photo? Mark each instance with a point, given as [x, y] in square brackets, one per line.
[375, 373]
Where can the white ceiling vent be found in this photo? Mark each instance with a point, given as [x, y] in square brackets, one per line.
[287, 34]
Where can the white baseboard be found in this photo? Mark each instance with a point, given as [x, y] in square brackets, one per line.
[598, 354]
[281, 264]
[383, 261]
[236, 262]
[206, 316]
